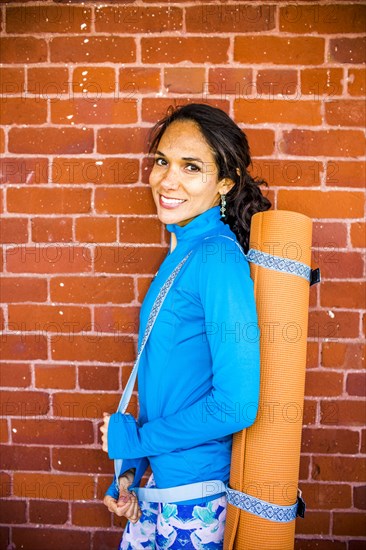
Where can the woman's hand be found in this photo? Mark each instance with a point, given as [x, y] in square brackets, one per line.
[104, 430]
[127, 503]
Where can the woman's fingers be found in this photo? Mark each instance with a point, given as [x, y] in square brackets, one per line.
[127, 505]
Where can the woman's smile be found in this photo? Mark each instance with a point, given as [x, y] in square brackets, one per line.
[170, 202]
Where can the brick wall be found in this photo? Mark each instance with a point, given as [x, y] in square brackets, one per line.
[81, 84]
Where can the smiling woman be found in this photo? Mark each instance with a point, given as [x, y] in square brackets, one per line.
[199, 373]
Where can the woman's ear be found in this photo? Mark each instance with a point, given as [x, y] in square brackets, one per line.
[225, 185]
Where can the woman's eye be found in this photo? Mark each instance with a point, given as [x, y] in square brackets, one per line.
[160, 161]
[193, 168]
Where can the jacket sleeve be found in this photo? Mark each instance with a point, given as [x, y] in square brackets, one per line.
[231, 327]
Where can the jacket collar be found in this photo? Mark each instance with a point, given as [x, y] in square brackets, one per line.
[200, 225]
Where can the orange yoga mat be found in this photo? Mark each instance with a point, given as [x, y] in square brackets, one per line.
[266, 456]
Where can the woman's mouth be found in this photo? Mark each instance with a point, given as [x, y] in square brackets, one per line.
[168, 202]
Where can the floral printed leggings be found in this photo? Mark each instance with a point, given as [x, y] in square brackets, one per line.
[176, 526]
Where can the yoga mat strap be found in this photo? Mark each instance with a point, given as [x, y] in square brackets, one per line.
[277, 263]
[262, 509]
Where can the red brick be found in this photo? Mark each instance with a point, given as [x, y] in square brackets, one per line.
[327, 143]
[81, 460]
[12, 511]
[57, 141]
[122, 140]
[24, 403]
[224, 81]
[21, 457]
[183, 80]
[129, 259]
[319, 544]
[155, 108]
[343, 355]
[138, 80]
[347, 50]
[138, 19]
[48, 512]
[338, 468]
[329, 440]
[279, 50]
[329, 235]
[207, 19]
[312, 354]
[108, 539]
[99, 378]
[23, 347]
[134, 201]
[23, 289]
[287, 173]
[103, 349]
[52, 432]
[117, 290]
[89, 111]
[349, 524]
[261, 141]
[359, 497]
[119, 320]
[31, 110]
[15, 375]
[13, 230]
[97, 171]
[304, 467]
[350, 112]
[48, 82]
[55, 376]
[140, 230]
[348, 264]
[4, 436]
[44, 539]
[90, 514]
[309, 415]
[11, 81]
[4, 485]
[24, 170]
[102, 230]
[320, 383]
[49, 319]
[51, 229]
[96, 80]
[358, 235]
[23, 50]
[322, 19]
[343, 413]
[324, 496]
[2, 141]
[274, 82]
[84, 405]
[98, 49]
[44, 19]
[357, 544]
[322, 204]
[174, 50]
[348, 174]
[314, 522]
[338, 294]
[48, 259]
[319, 82]
[259, 111]
[143, 284]
[338, 325]
[356, 81]
[46, 200]
[356, 383]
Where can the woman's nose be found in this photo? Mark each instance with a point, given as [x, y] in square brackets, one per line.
[170, 179]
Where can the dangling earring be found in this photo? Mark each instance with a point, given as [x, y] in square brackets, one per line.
[223, 206]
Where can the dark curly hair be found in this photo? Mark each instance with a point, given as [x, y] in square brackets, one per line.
[230, 147]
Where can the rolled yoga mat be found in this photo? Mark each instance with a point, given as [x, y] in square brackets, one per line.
[266, 456]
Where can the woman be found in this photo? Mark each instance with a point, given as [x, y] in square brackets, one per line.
[199, 372]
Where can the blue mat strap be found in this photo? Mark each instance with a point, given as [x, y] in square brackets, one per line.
[279, 264]
[260, 508]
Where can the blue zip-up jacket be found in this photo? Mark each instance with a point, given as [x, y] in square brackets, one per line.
[198, 376]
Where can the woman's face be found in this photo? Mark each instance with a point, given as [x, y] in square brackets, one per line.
[184, 179]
